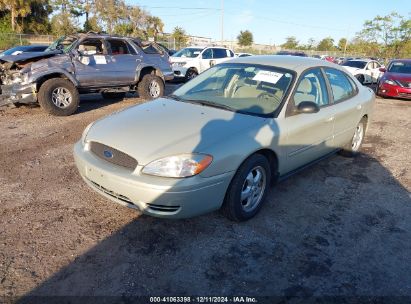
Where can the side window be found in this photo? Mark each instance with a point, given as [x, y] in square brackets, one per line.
[91, 47]
[118, 47]
[370, 66]
[377, 65]
[341, 87]
[312, 87]
[208, 54]
[220, 53]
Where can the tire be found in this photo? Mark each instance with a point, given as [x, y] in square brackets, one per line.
[360, 78]
[59, 97]
[150, 87]
[113, 95]
[190, 74]
[353, 147]
[234, 207]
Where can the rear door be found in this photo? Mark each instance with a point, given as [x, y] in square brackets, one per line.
[347, 105]
[123, 62]
[309, 136]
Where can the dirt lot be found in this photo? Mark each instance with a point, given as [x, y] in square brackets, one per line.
[341, 227]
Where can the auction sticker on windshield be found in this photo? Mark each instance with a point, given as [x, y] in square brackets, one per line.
[267, 76]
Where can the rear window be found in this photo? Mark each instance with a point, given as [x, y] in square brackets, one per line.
[341, 87]
[355, 64]
[221, 53]
[147, 47]
[118, 47]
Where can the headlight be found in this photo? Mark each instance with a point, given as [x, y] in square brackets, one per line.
[184, 165]
[179, 64]
[85, 132]
[389, 81]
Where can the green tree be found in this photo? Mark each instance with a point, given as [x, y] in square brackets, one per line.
[327, 44]
[291, 43]
[245, 38]
[17, 8]
[155, 27]
[110, 13]
[392, 32]
[180, 37]
[311, 44]
[342, 44]
[37, 21]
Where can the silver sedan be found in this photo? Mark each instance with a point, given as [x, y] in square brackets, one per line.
[222, 139]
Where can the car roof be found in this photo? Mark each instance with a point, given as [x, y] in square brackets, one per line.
[294, 63]
[362, 60]
[401, 60]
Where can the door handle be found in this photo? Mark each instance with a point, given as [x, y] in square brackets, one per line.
[330, 119]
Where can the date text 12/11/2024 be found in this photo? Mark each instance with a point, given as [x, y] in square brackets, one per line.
[201, 299]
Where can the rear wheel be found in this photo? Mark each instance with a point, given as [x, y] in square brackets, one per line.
[150, 87]
[354, 146]
[59, 97]
[248, 189]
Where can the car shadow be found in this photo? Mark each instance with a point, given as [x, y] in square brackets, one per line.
[325, 231]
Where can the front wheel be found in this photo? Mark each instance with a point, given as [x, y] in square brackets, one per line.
[248, 189]
[353, 147]
[191, 73]
[59, 97]
[150, 87]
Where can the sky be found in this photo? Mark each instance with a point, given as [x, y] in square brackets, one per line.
[272, 21]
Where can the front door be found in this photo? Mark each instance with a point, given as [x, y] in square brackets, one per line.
[309, 136]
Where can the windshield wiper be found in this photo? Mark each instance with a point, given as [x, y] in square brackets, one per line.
[211, 104]
[175, 97]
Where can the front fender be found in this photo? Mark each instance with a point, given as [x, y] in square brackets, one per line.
[38, 75]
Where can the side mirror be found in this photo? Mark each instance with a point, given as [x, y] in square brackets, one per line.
[308, 107]
[212, 63]
[383, 70]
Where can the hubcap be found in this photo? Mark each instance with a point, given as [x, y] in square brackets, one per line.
[61, 97]
[154, 89]
[358, 136]
[191, 75]
[253, 189]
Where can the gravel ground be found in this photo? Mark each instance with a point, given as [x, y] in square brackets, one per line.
[341, 227]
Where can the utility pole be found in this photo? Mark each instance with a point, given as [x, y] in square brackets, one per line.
[222, 21]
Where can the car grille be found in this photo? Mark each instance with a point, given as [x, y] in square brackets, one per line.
[115, 156]
[112, 193]
[163, 208]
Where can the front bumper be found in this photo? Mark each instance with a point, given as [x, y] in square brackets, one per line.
[387, 90]
[156, 196]
[18, 93]
[179, 71]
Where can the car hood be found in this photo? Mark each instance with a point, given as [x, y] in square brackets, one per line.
[166, 127]
[29, 56]
[397, 76]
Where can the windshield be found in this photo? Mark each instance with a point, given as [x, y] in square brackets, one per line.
[188, 52]
[401, 67]
[245, 88]
[64, 43]
[355, 64]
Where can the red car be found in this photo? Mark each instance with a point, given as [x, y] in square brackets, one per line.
[396, 80]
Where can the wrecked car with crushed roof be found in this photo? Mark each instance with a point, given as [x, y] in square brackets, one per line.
[81, 64]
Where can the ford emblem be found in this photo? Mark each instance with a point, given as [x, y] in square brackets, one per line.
[108, 154]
